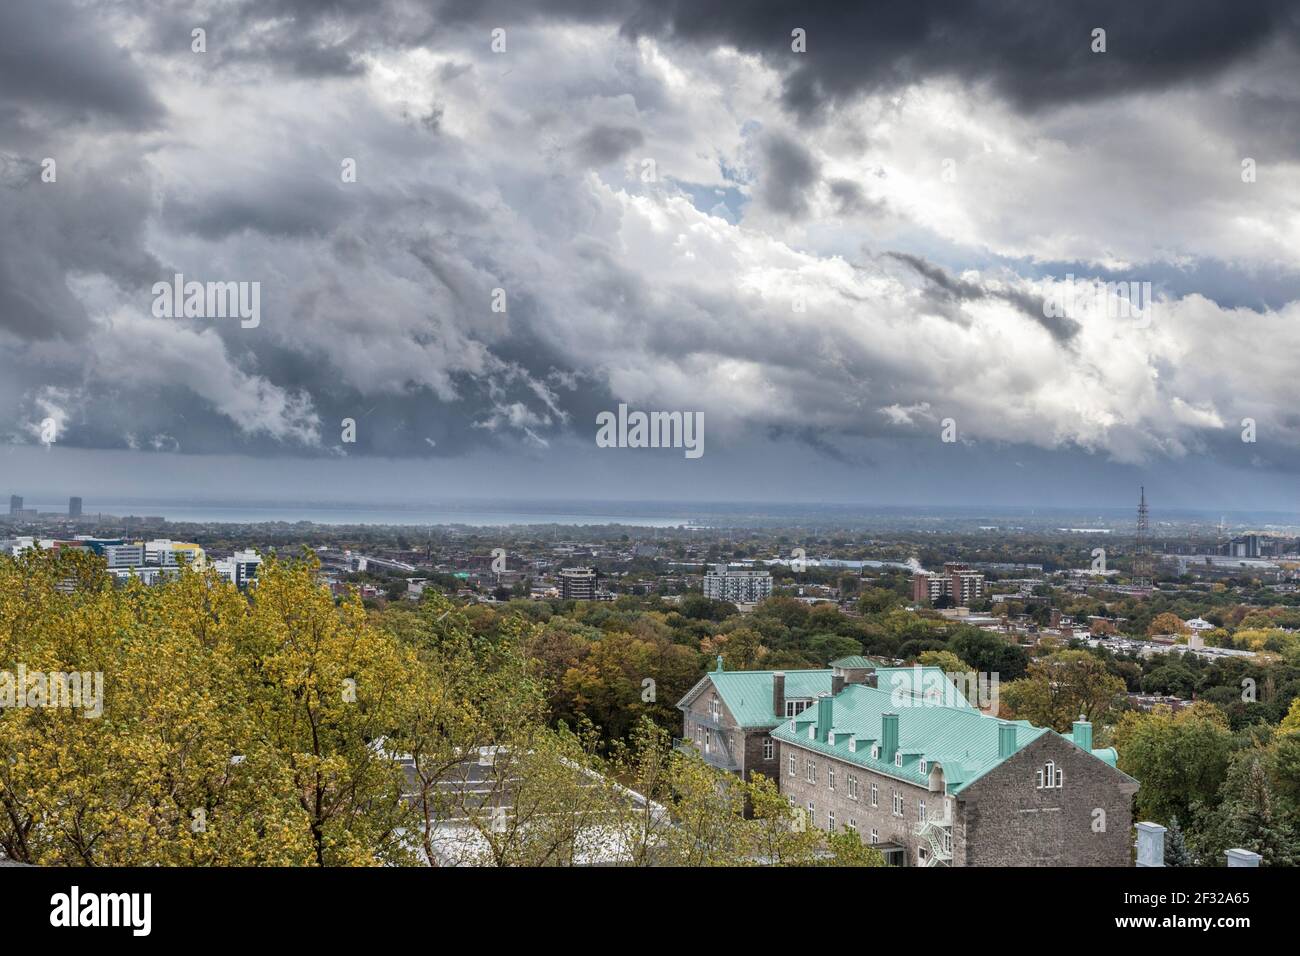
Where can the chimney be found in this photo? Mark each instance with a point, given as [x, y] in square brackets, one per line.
[888, 736]
[778, 694]
[1083, 733]
[837, 684]
[1151, 844]
[825, 710]
[872, 678]
[1006, 740]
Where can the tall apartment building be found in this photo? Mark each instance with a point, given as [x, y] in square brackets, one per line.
[578, 584]
[15, 504]
[74, 507]
[934, 785]
[956, 581]
[737, 584]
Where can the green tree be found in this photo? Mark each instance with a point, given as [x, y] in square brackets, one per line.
[1179, 759]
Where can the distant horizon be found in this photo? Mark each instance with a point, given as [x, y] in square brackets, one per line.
[661, 513]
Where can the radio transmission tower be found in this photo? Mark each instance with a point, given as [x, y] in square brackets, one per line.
[1142, 550]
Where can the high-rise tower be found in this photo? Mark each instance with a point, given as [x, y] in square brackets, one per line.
[1142, 548]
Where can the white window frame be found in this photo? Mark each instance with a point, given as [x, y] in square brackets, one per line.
[875, 795]
[769, 748]
[1051, 777]
[830, 778]
[853, 786]
[875, 836]
[898, 803]
[810, 770]
[793, 763]
[920, 810]
[830, 821]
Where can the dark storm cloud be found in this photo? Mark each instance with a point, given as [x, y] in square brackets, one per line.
[789, 172]
[55, 60]
[852, 199]
[276, 206]
[607, 144]
[827, 444]
[89, 221]
[1033, 53]
[953, 290]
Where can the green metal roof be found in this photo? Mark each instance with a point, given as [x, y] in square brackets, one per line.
[748, 694]
[961, 739]
[855, 661]
[907, 685]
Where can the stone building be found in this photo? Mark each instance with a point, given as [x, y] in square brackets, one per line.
[931, 784]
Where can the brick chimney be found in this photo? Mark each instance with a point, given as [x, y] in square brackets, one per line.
[837, 684]
[778, 694]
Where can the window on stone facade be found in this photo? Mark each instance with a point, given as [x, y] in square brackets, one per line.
[853, 787]
[714, 707]
[875, 836]
[947, 842]
[830, 777]
[1051, 777]
[898, 759]
[810, 771]
[769, 749]
[812, 814]
[830, 820]
[794, 770]
[923, 766]
[898, 804]
[920, 811]
[875, 795]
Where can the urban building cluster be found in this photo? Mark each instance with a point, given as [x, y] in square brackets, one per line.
[149, 561]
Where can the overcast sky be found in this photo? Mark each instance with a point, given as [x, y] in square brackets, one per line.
[828, 253]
